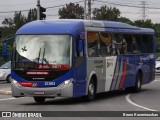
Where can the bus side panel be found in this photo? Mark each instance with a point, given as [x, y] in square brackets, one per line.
[152, 67]
[124, 72]
[79, 88]
[147, 62]
[95, 66]
[135, 64]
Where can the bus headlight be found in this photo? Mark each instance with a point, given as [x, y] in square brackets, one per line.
[14, 82]
[65, 83]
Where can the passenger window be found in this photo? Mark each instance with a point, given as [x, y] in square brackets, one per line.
[121, 44]
[105, 43]
[128, 43]
[92, 42]
[133, 44]
[147, 42]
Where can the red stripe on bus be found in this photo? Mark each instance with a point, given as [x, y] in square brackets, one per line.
[53, 66]
[37, 73]
[26, 84]
[124, 75]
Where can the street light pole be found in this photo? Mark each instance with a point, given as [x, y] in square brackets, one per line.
[38, 9]
[85, 16]
[89, 9]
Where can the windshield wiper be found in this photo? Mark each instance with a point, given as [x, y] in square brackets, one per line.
[45, 60]
[39, 55]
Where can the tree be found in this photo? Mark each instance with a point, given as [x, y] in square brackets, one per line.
[141, 23]
[19, 20]
[11, 25]
[32, 15]
[8, 22]
[106, 13]
[8, 28]
[125, 20]
[71, 11]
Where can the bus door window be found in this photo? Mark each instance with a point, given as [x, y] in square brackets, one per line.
[92, 42]
[105, 43]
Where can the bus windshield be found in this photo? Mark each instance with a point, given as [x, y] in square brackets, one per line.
[42, 52]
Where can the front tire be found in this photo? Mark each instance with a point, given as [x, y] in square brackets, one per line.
[39, 99]
[138, 85]
[91, 91]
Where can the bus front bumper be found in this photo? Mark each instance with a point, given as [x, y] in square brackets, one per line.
[20, 91]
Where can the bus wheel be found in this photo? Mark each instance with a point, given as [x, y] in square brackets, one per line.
[138, 84]
[39, 99]
[91, 91]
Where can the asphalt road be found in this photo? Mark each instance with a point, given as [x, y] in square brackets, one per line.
[147, 100]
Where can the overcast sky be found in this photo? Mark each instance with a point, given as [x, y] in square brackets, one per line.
[125, 6]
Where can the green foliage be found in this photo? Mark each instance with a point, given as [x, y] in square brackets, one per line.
[71, 11]
[9, 48]
[32, 15]
[106, 13]
[125, 20]
[11, 25]
[146, 24]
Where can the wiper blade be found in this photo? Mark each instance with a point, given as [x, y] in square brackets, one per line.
[45, 60]
[39, 55]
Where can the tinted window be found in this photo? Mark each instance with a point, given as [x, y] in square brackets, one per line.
[92, 41]
[147, 43]
[105, 43]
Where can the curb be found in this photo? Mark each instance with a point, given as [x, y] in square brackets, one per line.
[5, 92]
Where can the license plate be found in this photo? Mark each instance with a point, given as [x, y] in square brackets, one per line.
[39, 92]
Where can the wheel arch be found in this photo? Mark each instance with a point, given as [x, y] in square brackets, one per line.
[94, 77]
[141, 73]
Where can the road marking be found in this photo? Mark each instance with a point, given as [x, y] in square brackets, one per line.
[7, 99]
[131, 102]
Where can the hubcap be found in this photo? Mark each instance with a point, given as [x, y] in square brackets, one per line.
[91, 89]
[139, 84]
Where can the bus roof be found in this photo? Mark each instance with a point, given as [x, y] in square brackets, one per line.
[64, 26]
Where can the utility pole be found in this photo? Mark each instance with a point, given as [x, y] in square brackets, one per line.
[89, 9]
[144, 10]
[85, 13]
[38, 9]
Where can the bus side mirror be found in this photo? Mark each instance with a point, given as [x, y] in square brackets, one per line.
[80, 46]
[4, 48]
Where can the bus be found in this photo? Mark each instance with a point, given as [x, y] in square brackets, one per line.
[75, 58]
